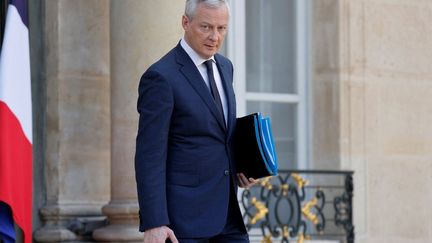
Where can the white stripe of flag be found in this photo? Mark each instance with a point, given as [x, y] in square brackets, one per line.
[15, 85]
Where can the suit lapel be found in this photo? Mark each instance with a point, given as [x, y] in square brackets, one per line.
[226, 77]
[193, 76]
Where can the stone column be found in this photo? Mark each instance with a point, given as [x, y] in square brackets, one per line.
[325, 82]
[338, 95]
[77, 118]
[141, 33]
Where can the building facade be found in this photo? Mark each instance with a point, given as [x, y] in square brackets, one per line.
[348, 88]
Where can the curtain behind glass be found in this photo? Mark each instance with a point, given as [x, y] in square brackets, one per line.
[270, 46]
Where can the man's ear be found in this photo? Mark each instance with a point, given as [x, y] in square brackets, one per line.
[185, 22]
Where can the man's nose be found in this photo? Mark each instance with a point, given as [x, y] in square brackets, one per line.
[214, 35]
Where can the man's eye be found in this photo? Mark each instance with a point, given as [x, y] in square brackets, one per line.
[222, 29]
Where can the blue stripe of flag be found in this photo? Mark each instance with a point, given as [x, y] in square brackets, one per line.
[21, 6]
[7, 231]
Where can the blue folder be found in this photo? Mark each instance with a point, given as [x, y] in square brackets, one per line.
[254, 147]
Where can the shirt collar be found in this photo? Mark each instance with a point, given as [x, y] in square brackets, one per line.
[197, 60]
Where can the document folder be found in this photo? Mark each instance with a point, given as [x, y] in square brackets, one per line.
[254, 147]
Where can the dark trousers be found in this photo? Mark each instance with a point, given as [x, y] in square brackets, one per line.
[234, 230]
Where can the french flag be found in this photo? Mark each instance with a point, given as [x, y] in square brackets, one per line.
[15, 125]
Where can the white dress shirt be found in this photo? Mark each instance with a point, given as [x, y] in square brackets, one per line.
[199, 63]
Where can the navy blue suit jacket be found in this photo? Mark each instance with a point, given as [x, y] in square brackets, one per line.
[183, 150]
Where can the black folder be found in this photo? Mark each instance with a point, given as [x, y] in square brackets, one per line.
[254, 147]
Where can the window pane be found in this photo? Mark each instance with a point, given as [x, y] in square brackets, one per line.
[283, 122]
[270, 46]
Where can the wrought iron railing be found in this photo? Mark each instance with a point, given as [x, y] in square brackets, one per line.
[300, 204]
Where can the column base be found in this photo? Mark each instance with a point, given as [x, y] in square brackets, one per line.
[123, 223]
[54, 234]
[118, 233]
[61, 219]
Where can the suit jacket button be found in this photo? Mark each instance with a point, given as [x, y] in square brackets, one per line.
[226, 172]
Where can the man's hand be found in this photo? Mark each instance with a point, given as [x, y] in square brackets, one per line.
[243, 182]
[159, 235]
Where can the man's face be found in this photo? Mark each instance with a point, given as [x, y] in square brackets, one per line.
[205, 33]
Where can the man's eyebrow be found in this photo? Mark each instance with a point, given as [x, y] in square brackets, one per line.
[206, 23]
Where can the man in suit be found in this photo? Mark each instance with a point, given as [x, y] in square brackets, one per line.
[185, 170]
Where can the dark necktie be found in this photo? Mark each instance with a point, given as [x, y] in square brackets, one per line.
[213, 88]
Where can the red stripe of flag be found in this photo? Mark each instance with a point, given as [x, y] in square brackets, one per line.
[15, 170]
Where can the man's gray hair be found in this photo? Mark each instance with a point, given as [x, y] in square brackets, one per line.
[191, 6]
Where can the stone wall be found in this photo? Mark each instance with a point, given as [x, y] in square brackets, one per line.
[384, 73]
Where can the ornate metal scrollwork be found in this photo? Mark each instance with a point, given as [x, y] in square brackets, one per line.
[306, 211]
[289, 207]
[262, 210]
[343, 209]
